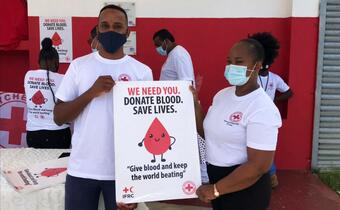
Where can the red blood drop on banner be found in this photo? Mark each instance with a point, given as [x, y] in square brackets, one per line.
[52, 172]
[56, 39]
[157, 139]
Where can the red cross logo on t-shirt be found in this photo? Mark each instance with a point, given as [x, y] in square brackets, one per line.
[124, 77]
[236, 117]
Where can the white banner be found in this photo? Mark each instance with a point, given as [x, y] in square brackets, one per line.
[59, 29]
[39, 176]
[155, 136]
[130, 47]
[12, 120]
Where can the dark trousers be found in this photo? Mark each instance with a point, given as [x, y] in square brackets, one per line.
[255, 197]
[49, 139]
[83, 194]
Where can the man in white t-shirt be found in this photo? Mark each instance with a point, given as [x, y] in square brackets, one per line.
[178, 65]
[85, 97]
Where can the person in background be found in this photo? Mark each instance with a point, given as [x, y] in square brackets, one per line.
[92, 40]
[271, 82]
[240, 129]
[85, 97]
[40, 86]
[178, 66]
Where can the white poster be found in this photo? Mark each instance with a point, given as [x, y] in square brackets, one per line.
[39, 176]
[130, 47]
[59, 29]
[130, 9]
[155, 136]
[12, 120]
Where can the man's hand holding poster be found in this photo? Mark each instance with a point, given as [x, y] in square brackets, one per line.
[156, 148]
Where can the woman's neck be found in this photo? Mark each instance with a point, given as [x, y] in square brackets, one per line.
[246, 89]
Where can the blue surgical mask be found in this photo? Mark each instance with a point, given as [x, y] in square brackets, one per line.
[161, 51]
[237, 75]
[111, 41]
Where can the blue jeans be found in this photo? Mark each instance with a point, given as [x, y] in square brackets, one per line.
[83, 194]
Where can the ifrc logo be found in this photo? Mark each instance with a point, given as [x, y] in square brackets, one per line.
[124, 77]
[236, 117]
[189, 187]
[128, 192]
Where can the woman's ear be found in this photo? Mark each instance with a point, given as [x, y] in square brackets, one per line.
[258, 66]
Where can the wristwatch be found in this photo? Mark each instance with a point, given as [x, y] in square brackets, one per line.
[216, 193]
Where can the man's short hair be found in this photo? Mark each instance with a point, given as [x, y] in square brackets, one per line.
[164, 34]
[115, 7]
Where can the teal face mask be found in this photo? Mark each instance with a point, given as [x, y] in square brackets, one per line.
[237, 75]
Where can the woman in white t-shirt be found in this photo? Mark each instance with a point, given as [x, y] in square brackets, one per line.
[40, 86]
[240, 129]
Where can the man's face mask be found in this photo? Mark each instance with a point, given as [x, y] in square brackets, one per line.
[161, 51]
[111, 41]
[237, 75]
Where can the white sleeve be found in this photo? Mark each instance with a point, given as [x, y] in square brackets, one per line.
[262, 130]
[184, 68]
[68, 89]
[148, 74]
[281, 85]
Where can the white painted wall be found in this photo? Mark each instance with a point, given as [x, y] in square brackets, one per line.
[181, 8]
[305, 8]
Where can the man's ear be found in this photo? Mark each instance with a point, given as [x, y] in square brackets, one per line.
[128, 33]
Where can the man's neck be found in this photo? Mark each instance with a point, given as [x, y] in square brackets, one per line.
[112, 56]
[171, 47]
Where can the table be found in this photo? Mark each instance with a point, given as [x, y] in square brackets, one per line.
[47, 199]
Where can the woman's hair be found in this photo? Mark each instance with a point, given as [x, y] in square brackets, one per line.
[255, 49]
[271, 47]
[48, 53]
[49, 56]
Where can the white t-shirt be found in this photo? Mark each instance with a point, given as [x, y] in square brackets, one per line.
[92, 153]
[234, 123]
[271, 83]
[39, 100]
[178, 66]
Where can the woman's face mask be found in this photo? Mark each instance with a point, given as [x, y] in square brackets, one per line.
[237, 75]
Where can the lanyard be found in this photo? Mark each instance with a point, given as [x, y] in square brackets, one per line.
[265, 89]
